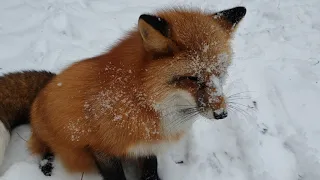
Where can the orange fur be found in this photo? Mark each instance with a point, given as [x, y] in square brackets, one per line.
[110, 102]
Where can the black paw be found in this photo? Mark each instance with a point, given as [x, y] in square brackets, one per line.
[150, 177]
[150, 169]
[47, 169]
[46, 164]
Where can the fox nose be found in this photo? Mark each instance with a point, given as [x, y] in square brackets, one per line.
[220, 115]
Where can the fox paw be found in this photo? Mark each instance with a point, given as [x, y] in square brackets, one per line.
[150, 177]
[46, 164]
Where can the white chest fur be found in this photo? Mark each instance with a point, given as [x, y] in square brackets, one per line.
[177, 111]
[144, 149]
[173, 122]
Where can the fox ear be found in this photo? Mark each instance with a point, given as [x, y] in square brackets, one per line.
[231, 17]
[155, 33]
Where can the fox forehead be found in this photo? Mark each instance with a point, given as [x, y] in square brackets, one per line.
[201, 40]
[206, 62]
[194, 28]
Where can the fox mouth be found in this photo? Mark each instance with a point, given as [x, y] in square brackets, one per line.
[213, 114]
[198, 87]
[204, 111]
[220, 114]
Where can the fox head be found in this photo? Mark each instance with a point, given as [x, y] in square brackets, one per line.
[190, 52]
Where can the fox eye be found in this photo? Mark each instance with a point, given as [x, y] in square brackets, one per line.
[185, 78]
[193, 78]
[187, 81]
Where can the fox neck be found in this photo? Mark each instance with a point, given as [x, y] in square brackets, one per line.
[157, 121]
[131, 54]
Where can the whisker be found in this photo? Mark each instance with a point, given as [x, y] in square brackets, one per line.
[243, 112]
[237, 110]
[185, 116]
[230, 109]
[243, 105]
[179, 121]
[231, 102]
[189, 106]
[238, 98]
[239, 93]
[240, 109]
[179, 111]
[247, 108]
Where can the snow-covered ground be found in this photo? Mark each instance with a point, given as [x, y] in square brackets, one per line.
[274, 130]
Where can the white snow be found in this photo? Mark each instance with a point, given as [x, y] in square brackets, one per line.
[4, 141]
[276, 64]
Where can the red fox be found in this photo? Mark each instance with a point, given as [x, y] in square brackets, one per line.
[140, 97]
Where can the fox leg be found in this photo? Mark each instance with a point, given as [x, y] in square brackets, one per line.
[110, 168]
[75, 160]
[149, 168]
[38, 147]
[131, 168]
[46, 164]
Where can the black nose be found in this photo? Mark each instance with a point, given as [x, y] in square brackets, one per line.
[222, 115]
